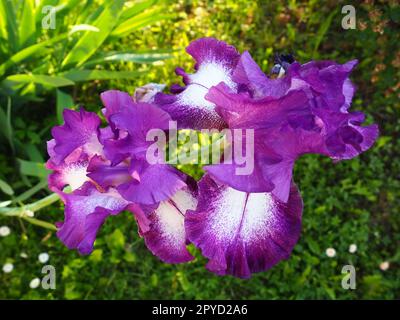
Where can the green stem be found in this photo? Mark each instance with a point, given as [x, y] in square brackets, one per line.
[41, 223]
[20, 211]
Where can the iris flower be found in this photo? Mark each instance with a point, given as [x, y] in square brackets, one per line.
[242, 223]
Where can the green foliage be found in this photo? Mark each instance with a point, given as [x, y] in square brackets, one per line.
[355, 201]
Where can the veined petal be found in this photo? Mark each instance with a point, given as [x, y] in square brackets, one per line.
[85, 212]
[243, 233]
[166, 237]
[215, 62]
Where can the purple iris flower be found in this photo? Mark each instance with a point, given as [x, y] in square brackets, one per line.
[107, 172]
[242, 223]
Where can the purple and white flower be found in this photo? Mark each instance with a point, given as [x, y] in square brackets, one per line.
[241, 223]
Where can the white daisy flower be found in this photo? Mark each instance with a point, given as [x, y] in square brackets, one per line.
[34, 283]
[4, 231]
[44, 257]
[384, 265]
[330, 252]
[8, 267]
[353, 248]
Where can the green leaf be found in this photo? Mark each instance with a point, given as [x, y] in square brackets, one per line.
[10, 20]
[5, 187]
[116, 240]
[35, 169]
[30, 192]
[29, 52]
[5, 125]
[91, 41]
[64, 101]
[322, 31]
[147, 57]
[137, 8]
[88, 75]
[52, 81]
[27, 25]
[33, 152]
[83, 27]
[139, 21]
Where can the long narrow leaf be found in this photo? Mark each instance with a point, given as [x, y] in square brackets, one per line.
[88, 75]
[91, 41]
[131, 57]
[5, 187]
[27, 25]
[5, 124]
[64, 100]
[35, 169]
[52, 81]
[28, 52]
[139, 21]
[322, 31]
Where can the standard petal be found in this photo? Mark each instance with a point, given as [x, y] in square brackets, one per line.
[81, 129]
[85, 212]
[215, 62]
[243, 233]
[166, 237]
[115, 101]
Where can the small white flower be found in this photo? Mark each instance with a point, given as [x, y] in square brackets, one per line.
[44, 257]
[34, 283]
[8, 267]
[4, 231]
[353, 248]
[330, 252]
[384, 265]
[23, 255]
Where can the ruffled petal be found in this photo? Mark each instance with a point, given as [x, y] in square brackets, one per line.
[215, 62]
[85, 212]
[166, 237]
[243, 233]
[115, 101]
[136, 121]
[150, 184]
[81, 129]
[286, 128]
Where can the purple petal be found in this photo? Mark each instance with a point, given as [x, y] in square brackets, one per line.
[243, 233]
[151, 183]
[215, 62]
[105, 175]
[69, 173]
[136, 121]
[115, 101]
[166, 237]
[81, 129]
[85, 212]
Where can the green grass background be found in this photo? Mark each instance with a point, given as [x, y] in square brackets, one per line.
[354, 201]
